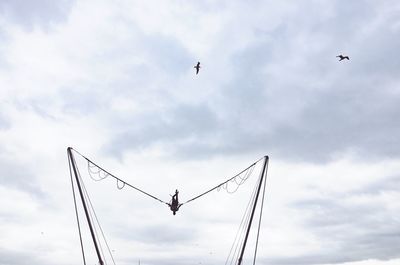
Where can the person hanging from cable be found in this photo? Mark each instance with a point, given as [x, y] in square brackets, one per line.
[174, 205]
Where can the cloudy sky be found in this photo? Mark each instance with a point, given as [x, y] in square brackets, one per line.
[115, 80]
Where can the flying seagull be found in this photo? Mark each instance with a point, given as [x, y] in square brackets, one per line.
[343, 57]
[197, 66]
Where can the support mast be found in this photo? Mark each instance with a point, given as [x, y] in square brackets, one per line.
[264, 172]
[73, 163]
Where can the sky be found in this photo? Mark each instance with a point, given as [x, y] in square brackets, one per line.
[115, 81]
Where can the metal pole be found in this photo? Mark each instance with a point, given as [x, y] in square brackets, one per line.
[254, 209]
[84, 205]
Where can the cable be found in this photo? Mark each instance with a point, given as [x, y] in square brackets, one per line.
[85, 208]
[240, 231]
[240, 242]
[261, 212]
[254, 208]
[237, 234]
[123, 185]
[98, 172]
[76, 211]
[242, 180]
[221, 184]
[111, 175]
[97, 221]
[247, 222]
[238, 179]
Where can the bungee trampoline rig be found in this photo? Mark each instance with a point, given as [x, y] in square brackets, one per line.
[97, 173]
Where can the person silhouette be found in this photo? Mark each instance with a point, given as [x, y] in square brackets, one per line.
[174, 205]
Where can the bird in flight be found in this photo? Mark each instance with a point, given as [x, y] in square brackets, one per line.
[197, 66]
[341, 57]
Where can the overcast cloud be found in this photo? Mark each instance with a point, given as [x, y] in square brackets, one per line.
[115, 80]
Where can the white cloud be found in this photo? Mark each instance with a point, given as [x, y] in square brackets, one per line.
[116, 81]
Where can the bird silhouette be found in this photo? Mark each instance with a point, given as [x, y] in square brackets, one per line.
[197, 66]
[341, 57]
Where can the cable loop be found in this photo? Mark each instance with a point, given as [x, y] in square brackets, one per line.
[120, 187]
[95, 172]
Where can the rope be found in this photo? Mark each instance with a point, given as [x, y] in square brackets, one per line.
[259, 184]
[98, 172]
[76, 211]
[238, 179]
[118, 179]
[242, 180]
[90, 210]
[97, 221]
[246, 224]
[120, 187]
[225, 182]
[261, 212]
[241, 229]
[237, 234]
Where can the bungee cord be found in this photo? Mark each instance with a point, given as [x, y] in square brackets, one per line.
[107, 174]
[224, 184]
[98, 173]
[120, 187]
[93, 170]
[238, 180]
